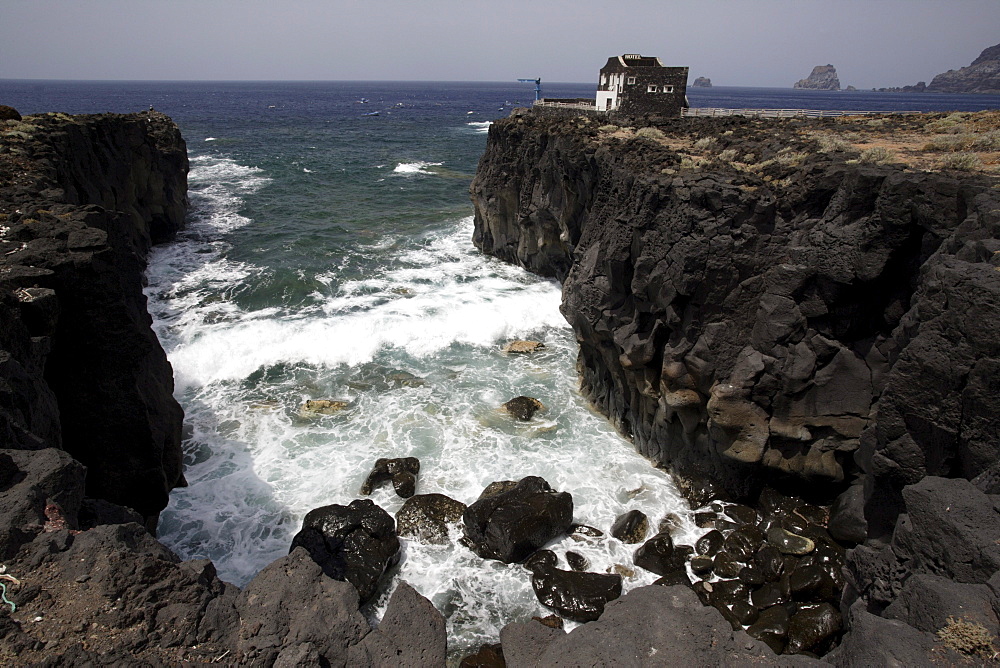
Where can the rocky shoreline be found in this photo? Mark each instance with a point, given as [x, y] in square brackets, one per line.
[649, 242]
[759, 303]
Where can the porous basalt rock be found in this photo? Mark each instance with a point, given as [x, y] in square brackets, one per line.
[82, 199]
[510, 525]
[356, 543]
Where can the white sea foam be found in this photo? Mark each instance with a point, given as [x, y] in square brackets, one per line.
[434, 312]
[415, 167]
[481, 127]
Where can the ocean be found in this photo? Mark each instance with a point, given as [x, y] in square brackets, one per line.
[328, 255]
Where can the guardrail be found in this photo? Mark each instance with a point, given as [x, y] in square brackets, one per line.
[565, 105]
[782, 113]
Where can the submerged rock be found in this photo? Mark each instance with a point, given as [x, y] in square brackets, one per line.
[401, 471]
[426, 517]
[523, 408]
[520, 347]
[356, 543]
[631, 527]
[314, 407]
[512, 524]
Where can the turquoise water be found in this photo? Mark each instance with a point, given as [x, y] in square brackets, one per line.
[328, 256]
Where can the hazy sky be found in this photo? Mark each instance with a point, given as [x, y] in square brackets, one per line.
[735, 42]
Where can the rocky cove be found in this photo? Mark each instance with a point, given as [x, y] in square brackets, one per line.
[761, 310]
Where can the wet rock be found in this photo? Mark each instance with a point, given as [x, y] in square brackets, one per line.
[701, 564]
[745, 613]
[631, 527]
[511, 525]
[426, 517]
[401, 472]
[659, 555]
[577, 561]
[497, 487]
[810, 582]
[412, 633]
[577, 596]
[742, 514]
[551, 621]
[812, 628]
[488, 656]
[744, 542]
[675, 577]
[523, 347]
[771, 628]
[789, 543]
[703, 590]
[584, 530]
[541, 560]
[726, 565]
[705, 519]
[710, 543]
[314, 407]
[772, 593]
[752, 575]
[728, 592]
[523, 408]
[356, 543]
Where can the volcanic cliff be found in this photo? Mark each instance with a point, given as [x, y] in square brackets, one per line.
[764, 303]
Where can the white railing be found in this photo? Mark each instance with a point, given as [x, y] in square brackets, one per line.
[782, 113]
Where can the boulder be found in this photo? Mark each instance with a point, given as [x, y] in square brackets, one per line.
[665, 626]
[356, 543]
[411, 633]
[487, 656]
[523, 408]
[954, 530]
[290, 607]
[659, 555]
[401, 472]
[631, 527]
[580, 597]
[812, 628]
[577, 561]
[426, 517]
[875, 641]
[925, 602]
[510, 525]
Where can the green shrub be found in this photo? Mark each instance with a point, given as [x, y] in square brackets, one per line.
[833, 144]
[729, 155]
[705, 144]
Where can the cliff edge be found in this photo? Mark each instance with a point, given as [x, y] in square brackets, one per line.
[764, 302]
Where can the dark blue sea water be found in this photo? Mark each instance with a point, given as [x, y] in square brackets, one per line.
[328, 255]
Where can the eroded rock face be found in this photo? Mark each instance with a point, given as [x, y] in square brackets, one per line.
[82, 200]
[510, 525]
[356, 543]
[982, 76]
[745, 331]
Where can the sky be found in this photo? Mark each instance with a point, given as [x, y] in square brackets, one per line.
[872, 43]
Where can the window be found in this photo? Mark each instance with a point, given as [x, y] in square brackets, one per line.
[668, 89]
[631, 81]
[652, 89]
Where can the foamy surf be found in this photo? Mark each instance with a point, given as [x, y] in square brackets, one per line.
[412, 344]
[480, 127]
[419, 167]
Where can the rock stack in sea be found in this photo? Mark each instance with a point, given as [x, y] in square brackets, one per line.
[822, 77]
[798, 320]
[702, 82]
